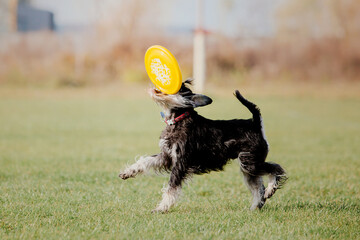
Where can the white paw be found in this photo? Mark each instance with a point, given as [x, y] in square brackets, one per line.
[127, 174]
[160, 210]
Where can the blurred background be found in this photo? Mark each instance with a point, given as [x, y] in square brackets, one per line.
[57, 44]
[74, 111]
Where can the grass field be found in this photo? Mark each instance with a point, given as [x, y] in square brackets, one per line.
[60, 157]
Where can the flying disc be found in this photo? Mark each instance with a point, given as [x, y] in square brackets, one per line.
[163, 69]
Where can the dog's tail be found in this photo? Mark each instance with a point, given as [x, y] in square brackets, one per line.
[252, 108]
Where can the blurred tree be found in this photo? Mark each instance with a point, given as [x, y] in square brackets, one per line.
[319, 19]
[125, 20]
[347, 14]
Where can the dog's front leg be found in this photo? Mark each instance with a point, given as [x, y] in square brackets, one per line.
[143, 164]
[172, 192]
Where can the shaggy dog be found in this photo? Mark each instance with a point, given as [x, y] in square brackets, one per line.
[191, 144]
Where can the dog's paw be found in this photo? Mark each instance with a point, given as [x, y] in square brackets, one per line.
[269, 191]
[124, 176]
[128, 173]
[158, 210]
[257, 206]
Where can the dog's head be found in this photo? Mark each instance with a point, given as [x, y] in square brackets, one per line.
[184, 99]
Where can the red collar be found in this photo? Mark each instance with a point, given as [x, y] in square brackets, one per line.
[170, 122]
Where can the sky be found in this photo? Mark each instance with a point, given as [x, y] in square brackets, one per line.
[227, 16]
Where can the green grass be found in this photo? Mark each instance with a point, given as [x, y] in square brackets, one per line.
[59, 161]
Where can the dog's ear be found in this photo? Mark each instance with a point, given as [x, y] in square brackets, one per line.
[189, 81]
[200, 100]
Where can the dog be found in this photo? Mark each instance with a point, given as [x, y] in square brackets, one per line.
[191, 144]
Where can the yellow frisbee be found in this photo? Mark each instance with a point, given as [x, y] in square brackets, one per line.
[163, 69]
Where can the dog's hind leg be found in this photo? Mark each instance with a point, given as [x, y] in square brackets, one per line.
[253, 179]
[256, 186]
[143, 164]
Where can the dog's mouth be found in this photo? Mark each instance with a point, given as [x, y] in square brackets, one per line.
[156, 92]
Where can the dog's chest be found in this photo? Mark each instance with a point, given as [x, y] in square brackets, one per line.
[165, 146]
[171, 138]
[172, 144]
[169, 146]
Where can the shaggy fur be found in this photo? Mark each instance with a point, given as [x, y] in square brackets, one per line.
[197, 145]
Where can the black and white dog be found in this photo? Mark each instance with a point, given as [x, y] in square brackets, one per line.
[192, 144]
